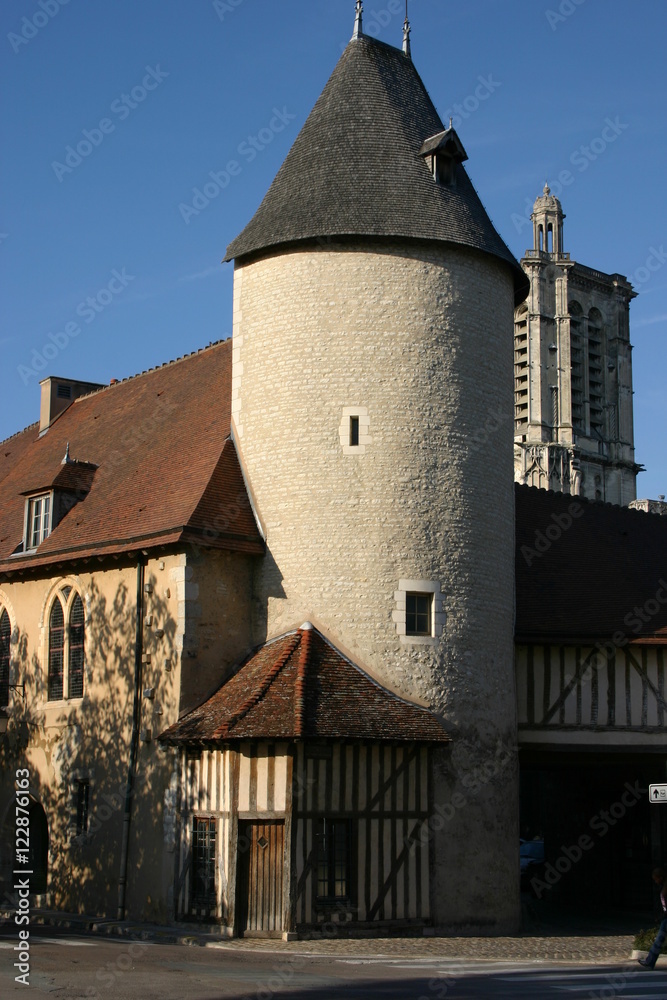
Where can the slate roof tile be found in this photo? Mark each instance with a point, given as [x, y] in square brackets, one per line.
[355, 168]
[583, 580]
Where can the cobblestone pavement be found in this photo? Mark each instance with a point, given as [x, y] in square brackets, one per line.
[588, 940]
[594, 949]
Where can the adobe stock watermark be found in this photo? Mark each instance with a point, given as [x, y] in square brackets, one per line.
[600, 825]
[655, 260]
[467, 107]
[447, 978]
[581, 158]
[635, 620]
[88, 310]
[31, 26]
[473, 781]
[249, 149]
[223, 7]
[553, 532]
[108, 974]
[493, 423]
[122, 107]
[566, 9]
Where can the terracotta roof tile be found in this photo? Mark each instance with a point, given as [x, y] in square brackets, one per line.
[166, 468]
[300, 686]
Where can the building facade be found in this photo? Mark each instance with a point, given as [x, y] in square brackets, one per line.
[280, 639]
[572, 371]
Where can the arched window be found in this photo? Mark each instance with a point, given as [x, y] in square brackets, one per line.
[66, 646]
[5, 636]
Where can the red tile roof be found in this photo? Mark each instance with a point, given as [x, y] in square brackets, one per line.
[590, 576]
[167, 470]
[300, 686]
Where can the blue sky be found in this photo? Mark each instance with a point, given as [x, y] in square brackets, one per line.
[107, 271]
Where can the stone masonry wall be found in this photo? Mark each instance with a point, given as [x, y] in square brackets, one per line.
[419, 340]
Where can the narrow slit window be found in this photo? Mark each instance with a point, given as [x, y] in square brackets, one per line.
[354, 432]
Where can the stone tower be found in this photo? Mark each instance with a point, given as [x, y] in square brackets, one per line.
[372, 296]
[572, 371]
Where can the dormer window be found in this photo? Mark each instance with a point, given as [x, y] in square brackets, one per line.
[39, 520]
[442, 153]
[47, 506]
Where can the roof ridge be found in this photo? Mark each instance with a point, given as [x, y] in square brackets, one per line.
[580, 498]
[35, 423]
[266, 683]
[155, 368]
[300, 685]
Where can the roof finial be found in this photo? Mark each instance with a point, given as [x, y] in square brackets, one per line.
[547, 189]
[406, 33]
[66, 460]
[358, 31]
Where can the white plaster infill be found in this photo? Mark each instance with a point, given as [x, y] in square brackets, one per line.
[438, 616]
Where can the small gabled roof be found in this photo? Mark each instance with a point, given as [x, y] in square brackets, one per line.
[300, 686]
[355, 168]
[154, 465]
[448, 142]
[588, 571]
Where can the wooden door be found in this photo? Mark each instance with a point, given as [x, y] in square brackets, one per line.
[260, 878]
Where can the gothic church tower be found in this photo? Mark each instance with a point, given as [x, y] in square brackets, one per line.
[372, 300]
[572, 371]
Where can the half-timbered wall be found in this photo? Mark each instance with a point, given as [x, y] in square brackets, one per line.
[381, 793]
[608, 694]
[384, 792]
[225, 785]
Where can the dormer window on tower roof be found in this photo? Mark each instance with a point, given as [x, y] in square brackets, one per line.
[442, 152]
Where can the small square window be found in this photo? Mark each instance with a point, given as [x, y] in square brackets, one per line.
[418, 614]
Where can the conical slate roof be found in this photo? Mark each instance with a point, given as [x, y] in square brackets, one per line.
[355, 168]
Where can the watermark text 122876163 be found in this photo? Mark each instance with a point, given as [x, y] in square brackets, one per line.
[22, 873]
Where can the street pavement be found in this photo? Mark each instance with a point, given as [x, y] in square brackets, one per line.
[78, 966]
[78, 957]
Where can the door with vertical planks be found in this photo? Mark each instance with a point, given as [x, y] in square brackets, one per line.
[261, 847]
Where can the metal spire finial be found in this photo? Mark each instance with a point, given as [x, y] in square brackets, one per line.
[406, 33]
[66, 460]
[358, 31]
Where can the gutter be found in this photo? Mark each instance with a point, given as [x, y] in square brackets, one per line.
[134, 741]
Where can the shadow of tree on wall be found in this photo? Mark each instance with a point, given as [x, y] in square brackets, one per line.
[89, 741]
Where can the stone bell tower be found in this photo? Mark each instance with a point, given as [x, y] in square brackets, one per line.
[572, 371]
[372, 296]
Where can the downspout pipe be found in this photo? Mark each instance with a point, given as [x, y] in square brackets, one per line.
[134, 741]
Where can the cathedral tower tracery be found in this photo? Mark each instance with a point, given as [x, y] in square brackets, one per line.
[572, 371]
